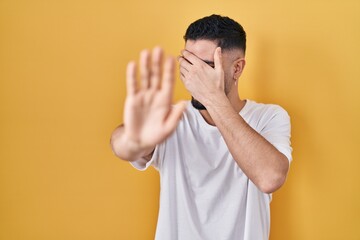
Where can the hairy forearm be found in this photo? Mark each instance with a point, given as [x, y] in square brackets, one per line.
[265, 166]
[126, 149]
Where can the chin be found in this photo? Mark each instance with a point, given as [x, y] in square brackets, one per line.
[196, 104]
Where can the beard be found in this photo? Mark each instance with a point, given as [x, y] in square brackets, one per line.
[196, 104]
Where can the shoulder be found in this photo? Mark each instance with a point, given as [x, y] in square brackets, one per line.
[262, 115]
[263, 109]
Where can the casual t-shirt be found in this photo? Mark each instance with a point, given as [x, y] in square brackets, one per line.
[204, 193]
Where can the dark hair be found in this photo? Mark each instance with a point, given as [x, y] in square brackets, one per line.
[228, 33]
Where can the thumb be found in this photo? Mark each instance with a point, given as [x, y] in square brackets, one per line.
[218, 58]
[174, 116]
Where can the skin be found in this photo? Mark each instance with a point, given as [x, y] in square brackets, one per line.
[211, 76]
[149, 117]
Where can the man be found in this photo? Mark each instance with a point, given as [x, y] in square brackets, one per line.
[219, 157]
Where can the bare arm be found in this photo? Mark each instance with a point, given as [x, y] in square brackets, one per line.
[125, 149]
[265, 166]
[149, 117]
[259, 159]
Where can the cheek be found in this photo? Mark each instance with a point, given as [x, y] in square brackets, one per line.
[228, 83]
[228, 69]
[228, 75]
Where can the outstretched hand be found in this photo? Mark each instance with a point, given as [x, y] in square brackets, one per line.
[149, 117]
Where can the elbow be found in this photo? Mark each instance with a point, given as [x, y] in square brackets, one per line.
[113, 147]
[114, 141]
[274, 179]
[272, 184]
[121, 150]
[118, 153]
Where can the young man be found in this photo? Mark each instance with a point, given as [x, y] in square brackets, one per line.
[219, 157]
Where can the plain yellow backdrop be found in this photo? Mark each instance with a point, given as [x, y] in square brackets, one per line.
[62, 90]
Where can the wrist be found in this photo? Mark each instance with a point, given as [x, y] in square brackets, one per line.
[216, 100]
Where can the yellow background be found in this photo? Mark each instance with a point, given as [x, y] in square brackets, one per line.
[62, 89]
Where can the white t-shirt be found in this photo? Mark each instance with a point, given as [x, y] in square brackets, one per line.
[204, 194]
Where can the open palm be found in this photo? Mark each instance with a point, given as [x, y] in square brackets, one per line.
[149, 117]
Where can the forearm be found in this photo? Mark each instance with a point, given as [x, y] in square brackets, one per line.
[259, 159]
[126, 149]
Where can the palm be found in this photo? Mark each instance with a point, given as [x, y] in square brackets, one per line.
[148, 115]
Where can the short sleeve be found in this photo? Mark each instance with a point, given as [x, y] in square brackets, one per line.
[142, 164]
[278, 131]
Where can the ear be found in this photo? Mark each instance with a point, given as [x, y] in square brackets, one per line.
[238, 67]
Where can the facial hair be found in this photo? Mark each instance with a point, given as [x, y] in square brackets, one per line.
[196, 104]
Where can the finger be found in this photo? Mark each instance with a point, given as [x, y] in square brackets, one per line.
[156, 67]
[174, 117]
[191, 58]
[184, 63]
[182, 77]
[168, 77]
[183, 73]
[131, 84]
[218, 58]
[145, 68]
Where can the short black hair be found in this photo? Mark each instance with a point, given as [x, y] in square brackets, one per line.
[228, 33]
